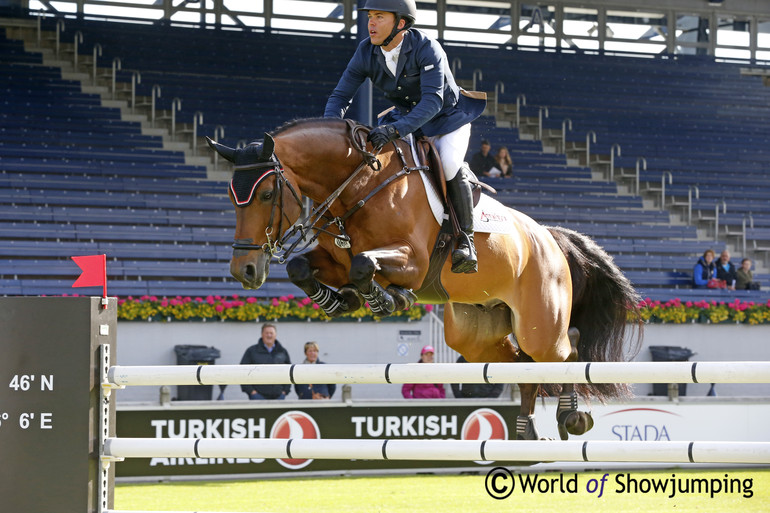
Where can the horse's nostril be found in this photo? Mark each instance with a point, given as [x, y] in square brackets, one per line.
[250, 271]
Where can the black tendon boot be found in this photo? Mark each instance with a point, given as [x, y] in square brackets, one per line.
[459, 192]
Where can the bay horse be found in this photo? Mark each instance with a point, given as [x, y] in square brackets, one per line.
[557, 293]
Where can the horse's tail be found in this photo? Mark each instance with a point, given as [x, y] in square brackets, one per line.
[604, 308]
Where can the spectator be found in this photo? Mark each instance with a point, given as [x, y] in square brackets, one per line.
[267, 350]
[725, 270]
[465, 390]
[503, 162]
[482, 161]
[314, 391]
[745, 277]
[424, 390]
[704, 270]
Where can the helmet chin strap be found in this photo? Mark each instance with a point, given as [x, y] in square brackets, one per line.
[394, 32]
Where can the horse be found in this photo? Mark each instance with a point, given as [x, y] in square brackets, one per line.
[543, 294]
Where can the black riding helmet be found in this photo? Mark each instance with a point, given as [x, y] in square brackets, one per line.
[406, 9]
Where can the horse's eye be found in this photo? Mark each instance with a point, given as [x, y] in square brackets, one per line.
[266, 195]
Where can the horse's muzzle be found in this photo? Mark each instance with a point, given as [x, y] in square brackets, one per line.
[249, 269]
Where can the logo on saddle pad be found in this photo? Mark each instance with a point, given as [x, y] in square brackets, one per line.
[491, 217]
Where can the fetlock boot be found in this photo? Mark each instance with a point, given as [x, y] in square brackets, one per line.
[460, 194]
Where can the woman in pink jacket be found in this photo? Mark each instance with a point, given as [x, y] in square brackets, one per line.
[424, 390]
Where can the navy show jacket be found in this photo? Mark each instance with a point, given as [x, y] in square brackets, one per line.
[423, 90]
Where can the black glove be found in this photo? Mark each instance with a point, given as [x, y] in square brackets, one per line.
[382, 135]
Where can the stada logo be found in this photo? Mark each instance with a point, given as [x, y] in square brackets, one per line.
[295, 424]
[484, 424]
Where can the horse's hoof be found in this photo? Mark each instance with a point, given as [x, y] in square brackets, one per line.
[574, 423]
[352, 297]
[403, 298]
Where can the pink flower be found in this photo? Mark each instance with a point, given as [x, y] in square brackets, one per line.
[251, 300]
[315, 306]
[219, 308]
[428, 308]
[164, 303]
[153, 298]
[275, 302]
[290, 296]
[283, 299]
[210, 300]
[688, 304]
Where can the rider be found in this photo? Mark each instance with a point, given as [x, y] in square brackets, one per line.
[413, 72]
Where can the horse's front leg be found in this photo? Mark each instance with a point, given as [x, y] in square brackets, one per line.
[305, 271]
[393, 264]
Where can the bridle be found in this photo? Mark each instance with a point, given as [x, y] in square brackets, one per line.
[302, 229]
[274, 167]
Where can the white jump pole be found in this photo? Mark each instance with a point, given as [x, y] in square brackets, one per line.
[578, 372]
[445, 450]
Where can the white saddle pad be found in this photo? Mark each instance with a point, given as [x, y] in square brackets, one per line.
[489, 215]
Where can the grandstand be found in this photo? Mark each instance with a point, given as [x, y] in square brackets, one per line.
[661, 157]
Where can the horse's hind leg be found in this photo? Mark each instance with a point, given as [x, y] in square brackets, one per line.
[525, 422]
[482, 335]
[569, 419]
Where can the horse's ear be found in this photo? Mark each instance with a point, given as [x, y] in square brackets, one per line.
[267, 147]
[226, 152]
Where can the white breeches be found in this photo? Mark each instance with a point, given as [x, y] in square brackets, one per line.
[452, 148]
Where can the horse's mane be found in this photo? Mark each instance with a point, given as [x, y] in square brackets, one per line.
[304, 121]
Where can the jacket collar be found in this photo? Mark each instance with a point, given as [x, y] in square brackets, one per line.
[406, 47]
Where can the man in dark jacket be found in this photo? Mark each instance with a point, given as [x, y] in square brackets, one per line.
[726, 270]
[483, 161]
[466, 390]
[267, 350]
[414, 73]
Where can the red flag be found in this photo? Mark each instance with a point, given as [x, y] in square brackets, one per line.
[94, 271]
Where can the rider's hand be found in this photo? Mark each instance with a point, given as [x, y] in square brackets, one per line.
[382, 135]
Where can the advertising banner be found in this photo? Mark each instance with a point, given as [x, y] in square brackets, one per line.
[404, 420]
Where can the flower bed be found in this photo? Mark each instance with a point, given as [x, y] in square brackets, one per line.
[676, 312]
[234, 308]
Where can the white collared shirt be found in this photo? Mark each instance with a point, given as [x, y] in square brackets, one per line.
[391, 57]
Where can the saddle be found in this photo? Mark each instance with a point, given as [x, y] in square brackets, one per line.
[432, 289]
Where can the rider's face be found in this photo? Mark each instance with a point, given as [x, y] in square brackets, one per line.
[380, 26]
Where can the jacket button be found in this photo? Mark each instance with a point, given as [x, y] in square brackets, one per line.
[406, 97]
[399, 88]
[414, 103]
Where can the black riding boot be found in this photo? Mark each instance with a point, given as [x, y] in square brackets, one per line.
[460, 194]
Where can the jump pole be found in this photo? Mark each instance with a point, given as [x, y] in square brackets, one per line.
[578, 372]
[447, 450]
